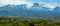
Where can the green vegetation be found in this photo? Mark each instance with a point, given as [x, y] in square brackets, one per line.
[6, 21]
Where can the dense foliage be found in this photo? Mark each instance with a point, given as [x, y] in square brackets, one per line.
[6, 21]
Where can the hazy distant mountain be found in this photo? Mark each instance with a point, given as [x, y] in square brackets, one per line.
[57, 9]
[36, 11]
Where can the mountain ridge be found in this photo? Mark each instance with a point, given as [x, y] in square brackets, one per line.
[36, 11]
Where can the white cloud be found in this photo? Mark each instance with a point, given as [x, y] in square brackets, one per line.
[58, 5]
[42, 4]
[14, 2]
[29, 4]
[11, 1]
[50, 5]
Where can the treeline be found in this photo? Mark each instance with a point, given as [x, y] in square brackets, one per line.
[7, 21]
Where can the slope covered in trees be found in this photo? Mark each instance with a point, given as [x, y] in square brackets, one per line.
[6, 21]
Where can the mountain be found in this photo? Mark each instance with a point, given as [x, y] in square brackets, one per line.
[36, 11]
[57, 9]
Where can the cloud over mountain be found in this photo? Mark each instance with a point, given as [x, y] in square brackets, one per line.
[50, 5]
[14, 2]
[29, 3]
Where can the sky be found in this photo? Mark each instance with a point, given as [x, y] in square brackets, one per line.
[47, 3]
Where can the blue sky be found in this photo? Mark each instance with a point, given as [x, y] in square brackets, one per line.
[47, 1]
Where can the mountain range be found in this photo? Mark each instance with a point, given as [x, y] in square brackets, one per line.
[35, 11]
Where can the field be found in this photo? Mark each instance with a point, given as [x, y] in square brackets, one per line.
[6, 21]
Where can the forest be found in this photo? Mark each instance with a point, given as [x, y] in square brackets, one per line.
[7, 21]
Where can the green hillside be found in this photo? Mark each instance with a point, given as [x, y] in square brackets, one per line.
[6, 21]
